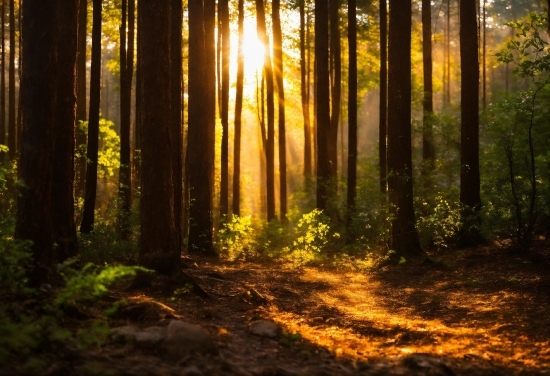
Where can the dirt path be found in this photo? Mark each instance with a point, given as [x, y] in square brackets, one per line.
[482, 312]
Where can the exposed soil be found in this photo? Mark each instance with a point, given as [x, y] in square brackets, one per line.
[475, 312]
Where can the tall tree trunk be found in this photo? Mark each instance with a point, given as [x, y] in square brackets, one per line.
[87, 224]
[176, 112]
[159, 239]
[447, 79]
[3, 85]
[19, 120]
[404, 237]
[139, 101]
[223, 9]
[81, 115]
[352, 114]
[470, 197]
[210, 80]
[336, 86]
[304, 91]
[484, 54]
[270, 144]
[428, 150]
[238, 113]
[125, 173]
[278, 62]
[62, 196]
[322, 101]
[383, 125]
[12, 139]
[35, 163]
[199, 163]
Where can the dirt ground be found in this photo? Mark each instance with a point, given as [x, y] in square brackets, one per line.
[482, 311]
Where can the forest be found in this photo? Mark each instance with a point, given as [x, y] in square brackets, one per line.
[267, 187]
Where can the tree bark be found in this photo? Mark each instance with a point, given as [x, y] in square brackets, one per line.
[62, 196]
[159, 239]
[176, 112]
[88, 214]
[470, 197]
[35, 163]
[383, 124]
[223, 9]
[278, 62]
[322, 90]
[352, 115]
[12, 138]
[238, 114]
[81, 115]
[139, 100]
[199, 163]
[404, 237]
[304, 92]
[3, 86]
[428, 150]
[336, 87]
[270, 144]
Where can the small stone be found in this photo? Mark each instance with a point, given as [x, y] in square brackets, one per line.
[182, 338]
[150, 337]
[191, 371]
[124, 334]
[264, 328]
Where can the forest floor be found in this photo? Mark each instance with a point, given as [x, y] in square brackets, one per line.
[480, 311]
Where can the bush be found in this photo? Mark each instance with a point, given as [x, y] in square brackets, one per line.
[235, 238]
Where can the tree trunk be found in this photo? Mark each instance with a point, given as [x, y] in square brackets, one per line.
[81, 114]
[35, 163]
[278, 62]
[176, 112]
[139, 100]
[3, 86]
[336, 88]
[238, 112]
[270, 144]
[470, 198]
[352, 114]
[322, 90]
[304, 92]
[159, 239]
[199, 163]
[125, 172]
[62, 199]
[484, 55]
[210, 80]
[428, 151]
[12, 139]
[383, 125]
[404, 237]
[447, 79]
[223, 9]
[87, 224]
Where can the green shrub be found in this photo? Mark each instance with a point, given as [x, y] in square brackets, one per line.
[235, 237]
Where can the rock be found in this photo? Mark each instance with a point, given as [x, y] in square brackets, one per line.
[124, 334]
[191, 371]
[264, 328]
[150, 337]
[428, 365]
[182, 338]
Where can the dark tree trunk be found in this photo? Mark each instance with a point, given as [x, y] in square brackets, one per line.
[125, 173]
[62, 196]
[304, 83]
[139, 100]
[428, 150]
[383, 125]
[3, 87]
[176, 112]
[81, 114]
[87, 224]
[199, 164]
[336, 87]
[223, 9]
[278, 62]
[404, 237]
[210, 80]
[159, 239]
[447, 79]
[270, 144]
[352, 114]
[238, 113]
[322, 89]
[35, 163]
[12, 139]
[470, 198]
[484, 55]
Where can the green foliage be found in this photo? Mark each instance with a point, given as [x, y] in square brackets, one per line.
[441, 226]
[313, 237]
[94, 335]
[109, 148]
[235, 237]
[15, 259]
